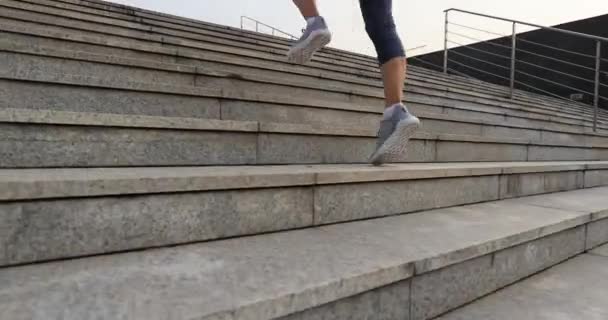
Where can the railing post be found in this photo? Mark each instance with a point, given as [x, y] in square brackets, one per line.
[596, 99]
[445, 44]
[513, 56]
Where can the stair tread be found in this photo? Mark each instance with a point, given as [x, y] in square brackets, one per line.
[575, 289]
[439, 91]
[17, 184]
[135, 11]
[53, 117]
[268, 276]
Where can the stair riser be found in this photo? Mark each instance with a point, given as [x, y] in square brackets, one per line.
[241, 41]
[440, 291]
[171, 58]
[122, 28]
[53, 229]
[426, 296]
[202, 60]
[255, 72]
[29, 67]
[36, 146]
[50, 96]
[221, 32]
[206, 28]
[451, 83]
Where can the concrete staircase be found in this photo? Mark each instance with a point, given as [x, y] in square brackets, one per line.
[157, 167]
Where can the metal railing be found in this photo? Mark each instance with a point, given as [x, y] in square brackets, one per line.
[504, 57]
[274, 31]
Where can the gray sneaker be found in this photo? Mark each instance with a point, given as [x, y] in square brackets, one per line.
[315, 37]
[393, 136]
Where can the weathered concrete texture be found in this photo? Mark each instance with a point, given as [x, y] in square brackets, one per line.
[570, 139]
[268, 112]
[518, 185]
[217, 84]
[601, 251]
[31, 95]
[274, 275]
[588, 200]
[575, 289]
[260, 48]
[597, 233]
[41, 230]
[287, 149]
[386, 303]
[451, 127]
[359, 97]
[471, 151]
[259, 278]
[70, 139]
[543, 153]
[129, 73]
[31, 184]
[184, 34]
[64, 146]
[337, 203]
[496, 131]
[596, 178]
[440, 291]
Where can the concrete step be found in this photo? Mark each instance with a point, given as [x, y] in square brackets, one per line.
[233, 105]
[165, 41]
[66, 64]
[233, 37]
[79, 94]
[57, 16]
[42, 139]
[128, 12]
[572, 290]
[566, 111]
[415, 266]
[130, 15]
[523, 96]
[497, 89]
[50, 214]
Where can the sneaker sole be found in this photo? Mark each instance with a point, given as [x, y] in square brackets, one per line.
[396, 145]
[304, 52]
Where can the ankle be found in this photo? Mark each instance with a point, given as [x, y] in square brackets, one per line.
[388, 112]
[311, 19]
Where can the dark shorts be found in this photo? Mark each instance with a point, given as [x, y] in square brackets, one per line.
[380, 26]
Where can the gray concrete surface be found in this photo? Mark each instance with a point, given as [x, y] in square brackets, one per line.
[573, 290]
[274, 275]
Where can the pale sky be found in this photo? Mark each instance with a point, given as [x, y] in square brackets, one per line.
[420, 23]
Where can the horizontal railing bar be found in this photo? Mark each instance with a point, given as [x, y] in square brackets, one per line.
[481, 60]
[480, 40]
[426, 62]
[484, 51]
[268, 26]
[555, 59]
[531, 25]
[476, 69]
[556, 48]
[476, 29]
[553, 70]
[544, 91]
[554, 83]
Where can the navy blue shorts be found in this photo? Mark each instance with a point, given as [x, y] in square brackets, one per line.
[380, 26]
